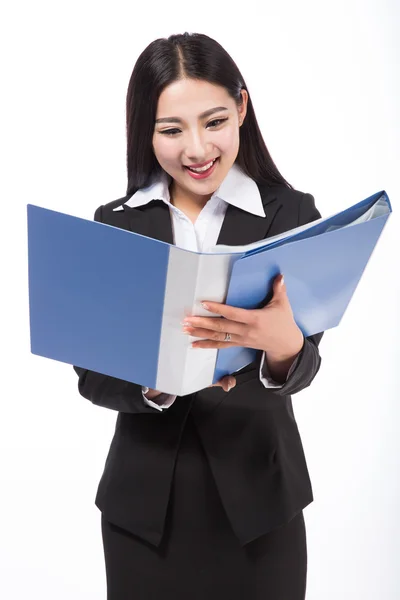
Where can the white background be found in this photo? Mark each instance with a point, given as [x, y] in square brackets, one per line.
[324, 79]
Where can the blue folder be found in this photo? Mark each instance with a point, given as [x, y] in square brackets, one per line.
[112, 300]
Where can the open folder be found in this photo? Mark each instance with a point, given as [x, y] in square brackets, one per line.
[112, 300]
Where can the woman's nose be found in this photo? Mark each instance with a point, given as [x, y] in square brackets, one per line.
[196, 147]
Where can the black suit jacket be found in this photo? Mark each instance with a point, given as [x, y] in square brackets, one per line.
[249, 434]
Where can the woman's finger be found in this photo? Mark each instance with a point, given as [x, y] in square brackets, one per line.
[227, 383]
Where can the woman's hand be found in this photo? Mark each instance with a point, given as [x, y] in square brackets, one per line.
[271, 328]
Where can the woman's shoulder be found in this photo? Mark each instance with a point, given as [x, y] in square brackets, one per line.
[114, 204]
[110, 212]
[287, 197]
[290, 202]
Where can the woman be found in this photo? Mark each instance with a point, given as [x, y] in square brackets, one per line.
[202, 495]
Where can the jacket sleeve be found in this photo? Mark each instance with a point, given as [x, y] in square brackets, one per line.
[111, 392]
[308, 361]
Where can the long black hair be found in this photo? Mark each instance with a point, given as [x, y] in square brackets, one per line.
[193, 56]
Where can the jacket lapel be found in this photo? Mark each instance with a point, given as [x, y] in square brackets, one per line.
[238, 228]
[241, 227]
[152, 219]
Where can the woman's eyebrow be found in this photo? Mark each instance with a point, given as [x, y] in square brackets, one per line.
[207, 113]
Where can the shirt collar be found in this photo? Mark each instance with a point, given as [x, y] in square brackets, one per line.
[237, 188]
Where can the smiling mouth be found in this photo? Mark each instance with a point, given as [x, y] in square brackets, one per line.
[203, 169]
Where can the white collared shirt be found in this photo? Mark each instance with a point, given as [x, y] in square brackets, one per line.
[237, 189]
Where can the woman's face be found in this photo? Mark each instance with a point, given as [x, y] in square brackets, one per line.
[184, 135]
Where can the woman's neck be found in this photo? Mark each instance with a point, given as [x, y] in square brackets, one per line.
[190, 204]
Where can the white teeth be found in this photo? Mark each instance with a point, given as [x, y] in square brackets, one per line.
[205, 168]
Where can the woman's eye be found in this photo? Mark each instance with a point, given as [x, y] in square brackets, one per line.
[213, 123]
[170, 131]
[216, 122]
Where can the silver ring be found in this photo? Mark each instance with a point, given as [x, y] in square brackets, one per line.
[227, 337]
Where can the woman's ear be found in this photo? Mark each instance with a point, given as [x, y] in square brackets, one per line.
[242, 109]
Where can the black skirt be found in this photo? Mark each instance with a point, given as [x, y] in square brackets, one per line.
[199, 557]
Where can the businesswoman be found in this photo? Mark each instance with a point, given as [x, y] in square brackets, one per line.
[202, 494]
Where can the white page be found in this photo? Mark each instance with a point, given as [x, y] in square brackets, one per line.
[379, 209]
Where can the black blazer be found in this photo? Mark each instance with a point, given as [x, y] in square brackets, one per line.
[249, 434]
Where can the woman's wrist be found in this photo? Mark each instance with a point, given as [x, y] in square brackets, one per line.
[279, 368]
[279, 363]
